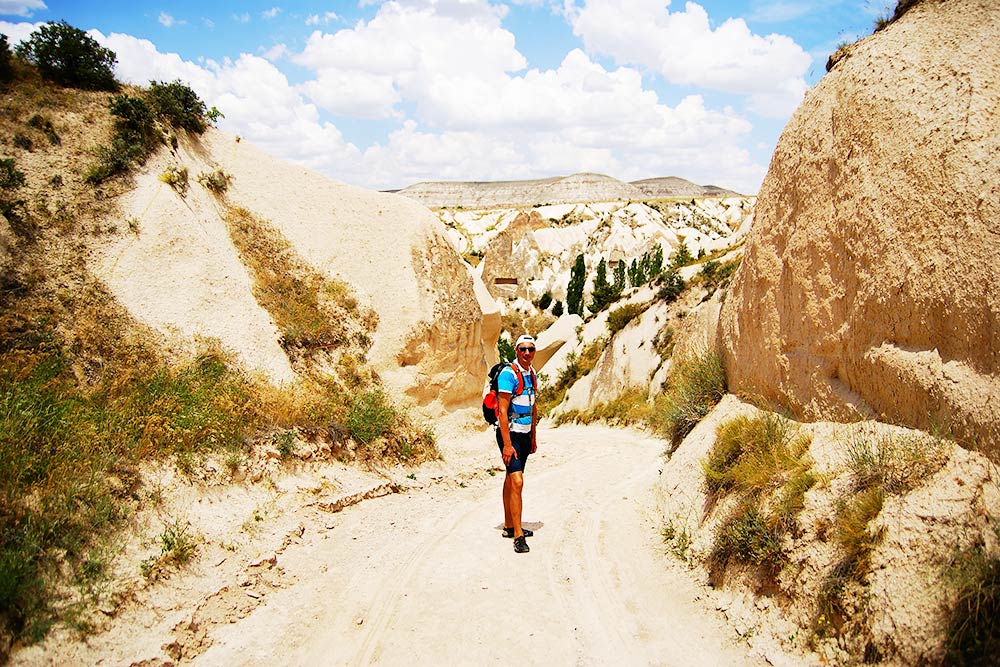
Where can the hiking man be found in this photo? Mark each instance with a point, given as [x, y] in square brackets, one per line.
[516, 419]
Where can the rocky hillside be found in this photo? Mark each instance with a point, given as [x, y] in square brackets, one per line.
[578, 188]
[870, 280]
[539, 249]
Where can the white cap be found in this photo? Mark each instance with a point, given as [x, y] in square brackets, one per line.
[524, 339]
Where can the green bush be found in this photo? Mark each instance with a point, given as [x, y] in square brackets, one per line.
[748, 537]
[371, 415]
[545, 301]
[671, 285]
[216, 181]
[70, 57]
[557, 309]
[134, 139]
[178, 105]
[695, 385]
[619, 318]
[505, 350]
[176, 179]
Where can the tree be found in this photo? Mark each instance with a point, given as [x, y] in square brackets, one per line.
[574, 291]
[557, 309]
[682, 256]
[505, 350]
[603, 292]
[178, 105]
[6, 70]
[619, 279]
[70, 57]
[656, 262]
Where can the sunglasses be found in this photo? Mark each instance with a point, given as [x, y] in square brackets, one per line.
[525, 349]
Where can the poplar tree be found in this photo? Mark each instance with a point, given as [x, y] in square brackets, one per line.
[574, 291]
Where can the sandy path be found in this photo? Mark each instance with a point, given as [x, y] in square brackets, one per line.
[425, 578]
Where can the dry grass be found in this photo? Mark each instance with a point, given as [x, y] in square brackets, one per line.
[765, 461]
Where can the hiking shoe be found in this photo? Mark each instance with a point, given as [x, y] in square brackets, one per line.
[521, 545]
[509, 532]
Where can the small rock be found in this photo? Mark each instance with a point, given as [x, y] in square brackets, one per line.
[359, 620]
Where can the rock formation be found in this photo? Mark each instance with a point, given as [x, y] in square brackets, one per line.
[572, 189]
[870, 280]
[181, 275]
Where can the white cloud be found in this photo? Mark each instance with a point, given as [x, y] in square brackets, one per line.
[685, 49]
[208, 23]
[20, 7]
[18, 32]
[165, 19]
[480, 115]
[242, 18]
[271, 13]
[276, 52]
[316, 19]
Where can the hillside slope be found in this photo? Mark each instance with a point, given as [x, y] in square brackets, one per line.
[180, 272]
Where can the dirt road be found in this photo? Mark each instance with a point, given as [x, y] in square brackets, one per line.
[424, 577]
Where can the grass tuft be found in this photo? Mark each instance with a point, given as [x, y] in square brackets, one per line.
[765, 461]
[695, 386]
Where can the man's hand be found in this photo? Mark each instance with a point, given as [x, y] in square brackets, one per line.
[508, 454]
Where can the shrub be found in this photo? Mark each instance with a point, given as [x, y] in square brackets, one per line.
[11, 179]
[557, 309]
[133, 141]
[763, 460]
[671, 285]
[178, 105]
[545, 301]
[682, 256]
[748, 537]
[176, 179]
[973, 636]
[216, 181]
[371, 415]
[70, 57]
[619, 318]
[696, 384]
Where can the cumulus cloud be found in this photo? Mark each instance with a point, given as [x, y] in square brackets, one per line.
[685, 49]
[165, 19]
[270, 13]
[484, 115]
[20, 7]
[18, 32]
[316, 19]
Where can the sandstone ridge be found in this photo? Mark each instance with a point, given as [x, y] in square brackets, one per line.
[572, 189]
[869, 283]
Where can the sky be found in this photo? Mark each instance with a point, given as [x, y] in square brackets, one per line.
[384, 94]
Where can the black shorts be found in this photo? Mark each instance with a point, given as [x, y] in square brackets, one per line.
[522, 447]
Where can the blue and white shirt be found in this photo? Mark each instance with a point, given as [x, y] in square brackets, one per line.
[521, 404]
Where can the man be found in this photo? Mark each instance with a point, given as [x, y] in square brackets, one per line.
[516, 419]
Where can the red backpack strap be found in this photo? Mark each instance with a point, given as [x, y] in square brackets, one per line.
[520, 380]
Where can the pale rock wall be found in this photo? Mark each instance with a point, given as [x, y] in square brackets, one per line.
[181, 272]
[869, 283]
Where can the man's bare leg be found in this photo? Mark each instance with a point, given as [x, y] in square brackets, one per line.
[512, 486]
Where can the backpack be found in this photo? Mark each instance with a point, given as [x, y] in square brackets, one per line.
[491, 401]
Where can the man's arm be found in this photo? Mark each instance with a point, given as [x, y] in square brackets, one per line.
[503, 406]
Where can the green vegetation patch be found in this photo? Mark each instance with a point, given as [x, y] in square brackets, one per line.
[696, 384]
[765, 461]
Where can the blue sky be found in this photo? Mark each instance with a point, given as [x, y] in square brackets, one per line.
[385, 94]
